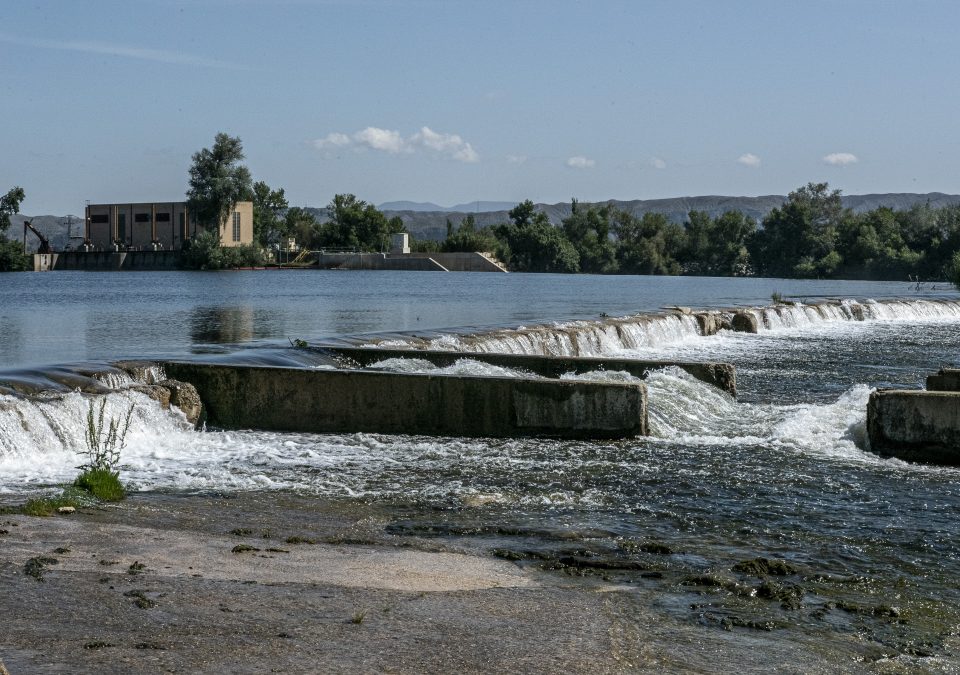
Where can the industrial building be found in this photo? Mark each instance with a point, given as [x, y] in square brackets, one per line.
[159, 225]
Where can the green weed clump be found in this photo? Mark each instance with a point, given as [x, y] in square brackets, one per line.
[105, 439]
[47, 506]
[103, 484]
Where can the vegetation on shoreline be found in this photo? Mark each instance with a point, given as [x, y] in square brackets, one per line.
[12, 258]
[810, 236]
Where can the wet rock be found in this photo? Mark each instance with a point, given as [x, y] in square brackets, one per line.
[159, 394]
[708, 322]
[147, 372]
[243, 548]
[712, 581]
[762, 567]
[731, 622]
[35, 567]
[99, 644]
[184, 395]
[790, 596]
[744, 322]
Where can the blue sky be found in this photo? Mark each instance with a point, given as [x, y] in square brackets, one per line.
[451, 101]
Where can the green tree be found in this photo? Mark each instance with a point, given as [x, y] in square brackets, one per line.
[588, 230]
[302, 225]
[799, 239]
[468, 238]
[355, 223]
[12, 258]
[218, 181]
[268, 208]
[532, 244]
[717, 246]
[648, 245]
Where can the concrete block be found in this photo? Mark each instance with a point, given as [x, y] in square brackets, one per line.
[914, 425]
[720, 375]
[947, 379]
[294, 399]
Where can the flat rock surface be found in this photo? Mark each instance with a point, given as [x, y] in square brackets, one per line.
[154, 585]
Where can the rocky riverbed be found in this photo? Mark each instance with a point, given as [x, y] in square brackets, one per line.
[272, 583]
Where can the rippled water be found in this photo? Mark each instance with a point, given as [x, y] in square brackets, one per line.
[870, 547]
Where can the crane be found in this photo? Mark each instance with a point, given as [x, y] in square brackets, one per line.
[44, 242]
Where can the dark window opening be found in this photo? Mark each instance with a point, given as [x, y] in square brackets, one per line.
[163, 217]
[100, 218]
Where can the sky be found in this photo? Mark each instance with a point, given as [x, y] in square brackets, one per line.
[452, 101]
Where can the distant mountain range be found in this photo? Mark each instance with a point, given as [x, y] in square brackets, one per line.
[423, 224]
[470, 207]
[425, 220]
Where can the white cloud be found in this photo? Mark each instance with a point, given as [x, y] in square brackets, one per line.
[332, 140]
[658, 163]
[390, 141]
[581, 162]
[840, 158]
[516, 159]
[749, 159]
[381, 139]
[122, 51]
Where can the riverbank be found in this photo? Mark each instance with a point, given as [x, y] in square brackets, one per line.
[279, 583]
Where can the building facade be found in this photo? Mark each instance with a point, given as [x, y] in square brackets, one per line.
[159, 225]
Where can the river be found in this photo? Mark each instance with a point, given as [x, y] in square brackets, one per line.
[869, 548]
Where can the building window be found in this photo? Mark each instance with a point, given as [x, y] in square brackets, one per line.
[141, 218]
[122, 226]
[236, 226]
[163, 217]
[100, 218]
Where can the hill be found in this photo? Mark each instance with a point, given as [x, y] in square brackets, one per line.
[433, 224]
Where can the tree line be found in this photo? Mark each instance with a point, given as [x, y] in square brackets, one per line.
[811, 235]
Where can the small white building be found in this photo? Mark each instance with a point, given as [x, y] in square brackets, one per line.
[400, 243]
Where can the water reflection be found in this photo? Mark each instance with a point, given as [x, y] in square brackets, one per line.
[232, 325]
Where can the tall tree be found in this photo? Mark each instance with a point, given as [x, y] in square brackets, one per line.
[10, 205]
[268, 208]
[799, 239]
[534, 244]
[12, 258]
[354, 222]
[648, 245]
[218, 181]
[589, 232]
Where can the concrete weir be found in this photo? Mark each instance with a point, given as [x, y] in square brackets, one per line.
[720, 375]
[308, 400]
[916, 425]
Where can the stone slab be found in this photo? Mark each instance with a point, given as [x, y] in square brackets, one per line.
[337, 401]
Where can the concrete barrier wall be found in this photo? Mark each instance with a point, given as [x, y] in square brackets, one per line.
[439, 262]
[291, 399]
[114, 260]
[720, 375]
[916, 426]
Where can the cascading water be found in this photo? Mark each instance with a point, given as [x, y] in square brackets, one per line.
[656, 331]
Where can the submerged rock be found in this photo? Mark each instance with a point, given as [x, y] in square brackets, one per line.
[761, 567]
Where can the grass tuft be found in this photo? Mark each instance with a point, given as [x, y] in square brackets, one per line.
[103, 484]
[47, 506]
